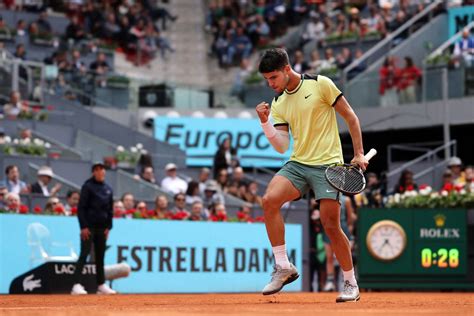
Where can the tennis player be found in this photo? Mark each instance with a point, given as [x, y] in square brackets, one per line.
[306, 104]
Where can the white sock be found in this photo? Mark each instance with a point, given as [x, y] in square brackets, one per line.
[281, 258]
[350, 276]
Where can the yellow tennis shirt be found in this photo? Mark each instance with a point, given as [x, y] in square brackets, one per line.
[309, 112]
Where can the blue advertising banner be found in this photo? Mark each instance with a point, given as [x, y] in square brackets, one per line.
[200, 139]
[459, 18]
[165, 256]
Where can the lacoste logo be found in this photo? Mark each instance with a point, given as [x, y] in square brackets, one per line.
[308, 96]
[29, 284]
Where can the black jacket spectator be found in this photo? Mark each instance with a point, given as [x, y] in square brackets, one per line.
[95, 209]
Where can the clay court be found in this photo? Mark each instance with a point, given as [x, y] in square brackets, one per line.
[240, 304]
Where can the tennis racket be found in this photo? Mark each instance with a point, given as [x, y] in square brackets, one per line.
[346, 178]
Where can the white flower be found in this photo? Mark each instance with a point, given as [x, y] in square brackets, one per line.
[396, 198]
[462, 191]
[25, 141]
[8, 139]
[133, 150]
[38, 142]
[139, 146]
[47, 145]
[120, 149]
[16, 141]
[444, 193]
[434, 195]
[144, 151]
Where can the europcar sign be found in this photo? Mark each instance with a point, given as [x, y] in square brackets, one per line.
[200, 138]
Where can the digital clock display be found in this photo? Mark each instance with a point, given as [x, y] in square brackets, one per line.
[442, 258]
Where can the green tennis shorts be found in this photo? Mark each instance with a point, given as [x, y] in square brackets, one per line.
[304, 177]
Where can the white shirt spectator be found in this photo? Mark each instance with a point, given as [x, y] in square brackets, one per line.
[174, 185]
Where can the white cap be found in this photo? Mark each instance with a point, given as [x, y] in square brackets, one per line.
[170, 166]
[454, 161]
[45, 171]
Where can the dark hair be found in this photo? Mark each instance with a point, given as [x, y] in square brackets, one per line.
[8, 168]
[273, 59]
[192, 185]
[178, 195]
[409, 61]
[71, 192]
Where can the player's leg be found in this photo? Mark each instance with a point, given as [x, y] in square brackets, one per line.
[330, 218]
[279, 191]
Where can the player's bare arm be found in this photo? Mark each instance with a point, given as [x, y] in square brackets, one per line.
[277, 136]
[345, 110]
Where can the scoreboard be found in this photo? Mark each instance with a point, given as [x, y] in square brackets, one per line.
[415, 248]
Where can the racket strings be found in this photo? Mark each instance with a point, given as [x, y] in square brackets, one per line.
[346, 179]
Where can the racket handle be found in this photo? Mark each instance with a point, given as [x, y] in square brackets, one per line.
[371, 154]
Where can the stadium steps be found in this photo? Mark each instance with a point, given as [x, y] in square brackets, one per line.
[186, 66]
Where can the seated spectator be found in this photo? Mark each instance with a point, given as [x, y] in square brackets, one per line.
[238, 176]
[329, 61]
[223, 180]
[148, 175]
[389, 77]
[20, 52]
[44, 27]
[198, 212]
[409, 76]
[54, 207]
[45, 175]
[100, 65]
[22, 36]
[455, 166]
[75, 31]
[72, 200]
[314, 31]
[239, 79]
[344, 59]
[192, 193]
[448, 183]
[142, 209]
[110, 29]
[172, 183]
[406, 182]
[252, 194]
[299, 64]
[203, 177]
[259, 31]
[25, 133]
[128, 203]
[161, 208]
[212, 194]
[4, 29]
[119, 209]
[315, 62]
[163, 44]
[12, 202]
[244, 215]
[239, 46]
[180, 204]
[15, 106]
[13, 182]
[464, 48]
[218, 213]
[360, 68]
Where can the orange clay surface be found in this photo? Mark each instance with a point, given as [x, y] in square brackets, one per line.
[374, 303]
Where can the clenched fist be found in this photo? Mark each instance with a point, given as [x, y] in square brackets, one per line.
[263, 111]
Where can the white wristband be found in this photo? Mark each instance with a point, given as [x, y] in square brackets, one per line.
[269, 130]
